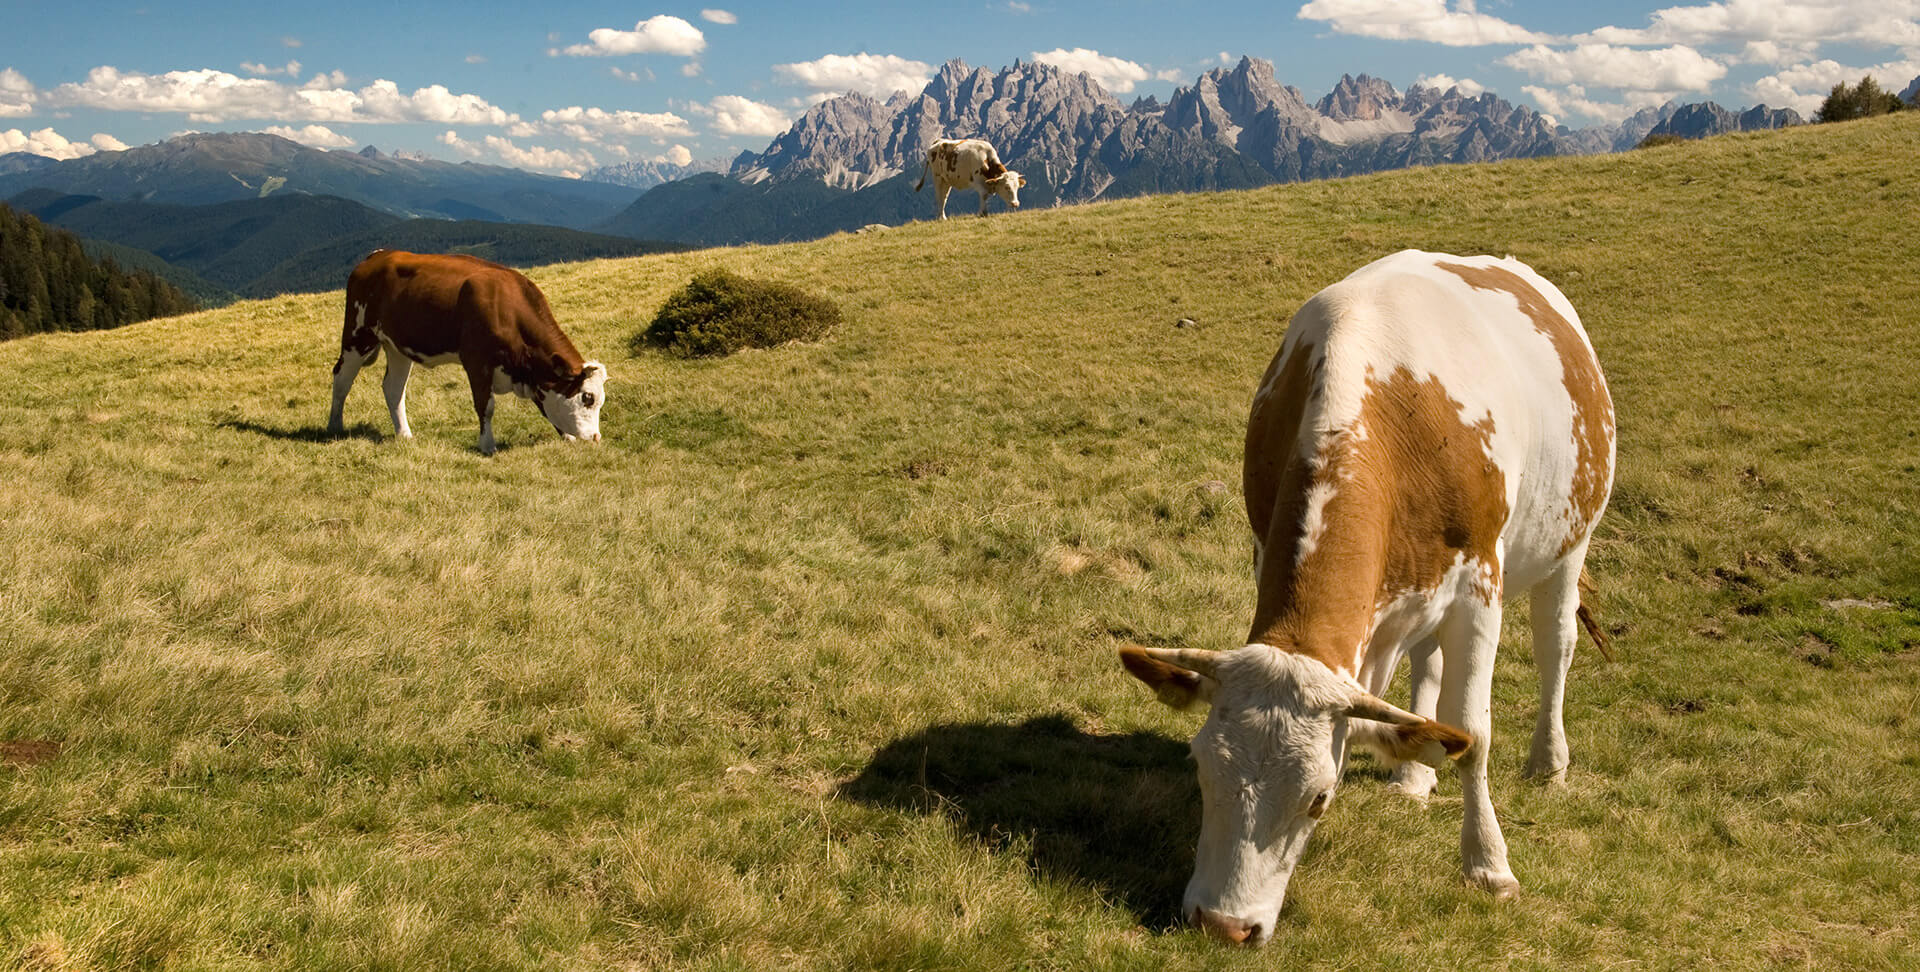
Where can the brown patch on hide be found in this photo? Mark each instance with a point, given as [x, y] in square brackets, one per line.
[1593, 429]
[1410, 497]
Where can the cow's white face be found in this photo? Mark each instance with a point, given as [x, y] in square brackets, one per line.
[1008, 187]
[1269, 758]
[577, 416]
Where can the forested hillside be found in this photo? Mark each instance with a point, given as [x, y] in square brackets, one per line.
[48, 283]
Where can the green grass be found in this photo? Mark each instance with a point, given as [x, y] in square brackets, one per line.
[811, 663]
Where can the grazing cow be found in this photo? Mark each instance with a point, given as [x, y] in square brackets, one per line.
[969, 163]
[1434, 436]
[432, 308]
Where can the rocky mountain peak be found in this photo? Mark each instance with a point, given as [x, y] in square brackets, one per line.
[1358, 99]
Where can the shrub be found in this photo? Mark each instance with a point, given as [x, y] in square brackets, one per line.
[1664, 138]
[1864, 100]
[719, 312]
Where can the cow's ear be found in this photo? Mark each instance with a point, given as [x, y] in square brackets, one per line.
[1023, 182]
[1175, 676]
[1405, 736]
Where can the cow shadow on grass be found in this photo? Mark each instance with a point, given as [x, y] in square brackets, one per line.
[1118, 813]
[305, 433]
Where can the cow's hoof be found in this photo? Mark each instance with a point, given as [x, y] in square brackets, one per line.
[1415, 781]
[1545, 771]
[1501, 884]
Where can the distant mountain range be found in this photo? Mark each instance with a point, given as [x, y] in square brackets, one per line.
[850, 161]
[251, 213]
[201, 169]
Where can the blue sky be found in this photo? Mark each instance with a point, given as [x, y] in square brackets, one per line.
[560, 87]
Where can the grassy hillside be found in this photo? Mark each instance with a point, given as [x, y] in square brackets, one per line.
[811, 663]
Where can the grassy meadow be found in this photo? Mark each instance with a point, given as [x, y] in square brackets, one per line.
[811, 663]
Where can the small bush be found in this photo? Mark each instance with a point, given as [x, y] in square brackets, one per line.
[719, 312]
[1864, 100]
[1664, 138]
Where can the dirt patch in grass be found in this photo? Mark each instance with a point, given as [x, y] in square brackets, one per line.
[28, 752]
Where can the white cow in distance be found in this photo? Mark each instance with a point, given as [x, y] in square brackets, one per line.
[1433, 438]
[969, 163]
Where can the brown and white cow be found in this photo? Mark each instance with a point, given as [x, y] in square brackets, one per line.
[431, 309]
[969, 163]
[1433, 437]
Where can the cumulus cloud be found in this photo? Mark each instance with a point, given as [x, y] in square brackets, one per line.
[589, 124]
[878, 75]
[1169, 74]
[1804, 87]
[318, 136]
[210, 96]
[291, 69]
[1794, 22]
[1443, 82]
[1457, 24]
[16, 94]
[691, 69]
[1676, 68]
[45, 142]
[719, 17]
[677, 155]
[659, 34]
[556, 161]
[734, 115]
[644, 74]
[1573, 100]
[107, 143]
[1116, 74]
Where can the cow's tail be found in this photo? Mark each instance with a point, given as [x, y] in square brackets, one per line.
[926, 166]
[1600, 639]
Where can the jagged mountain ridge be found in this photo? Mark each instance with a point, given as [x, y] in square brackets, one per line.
[646, 175]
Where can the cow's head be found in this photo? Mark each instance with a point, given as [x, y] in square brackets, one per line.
[1007, 185]
[1269, 758]
[574, 406]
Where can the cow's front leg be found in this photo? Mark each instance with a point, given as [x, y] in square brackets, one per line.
[985, 194]
[1467, 643]
[399, 367]
[481, 381]
[345, 370]
[940, 199]
[1414, 778]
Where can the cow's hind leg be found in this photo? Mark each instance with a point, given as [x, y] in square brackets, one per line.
[1554, 606]
[399, 367]
[1468, 639]
[940, 191]
[1414, 778]
[358, 348]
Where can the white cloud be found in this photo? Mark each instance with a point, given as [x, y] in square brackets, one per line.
[556, 161]
[1776, 53]
[734, 115]
[16, 94]
[209, 96]
[589, 124]
[476, 59]
[660, 34]
[290, 42]
[291, 69]
[318, 136]
[644, 74]
[107, 143]
[719, 17]
[677, 155]
[1573, 100]
[878, 75]
[45, 142]
[691, 69]
[1169, 74]
[1804, 87]
[1224, 57]
[1116, 74]
[1796, 22]
[1676, 68]
[1015, 6]
[1442, 82]
[325, 80]
[1434, 21]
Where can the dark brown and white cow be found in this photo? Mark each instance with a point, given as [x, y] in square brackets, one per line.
[969, 163]
[431, 309]
[1433, 438]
